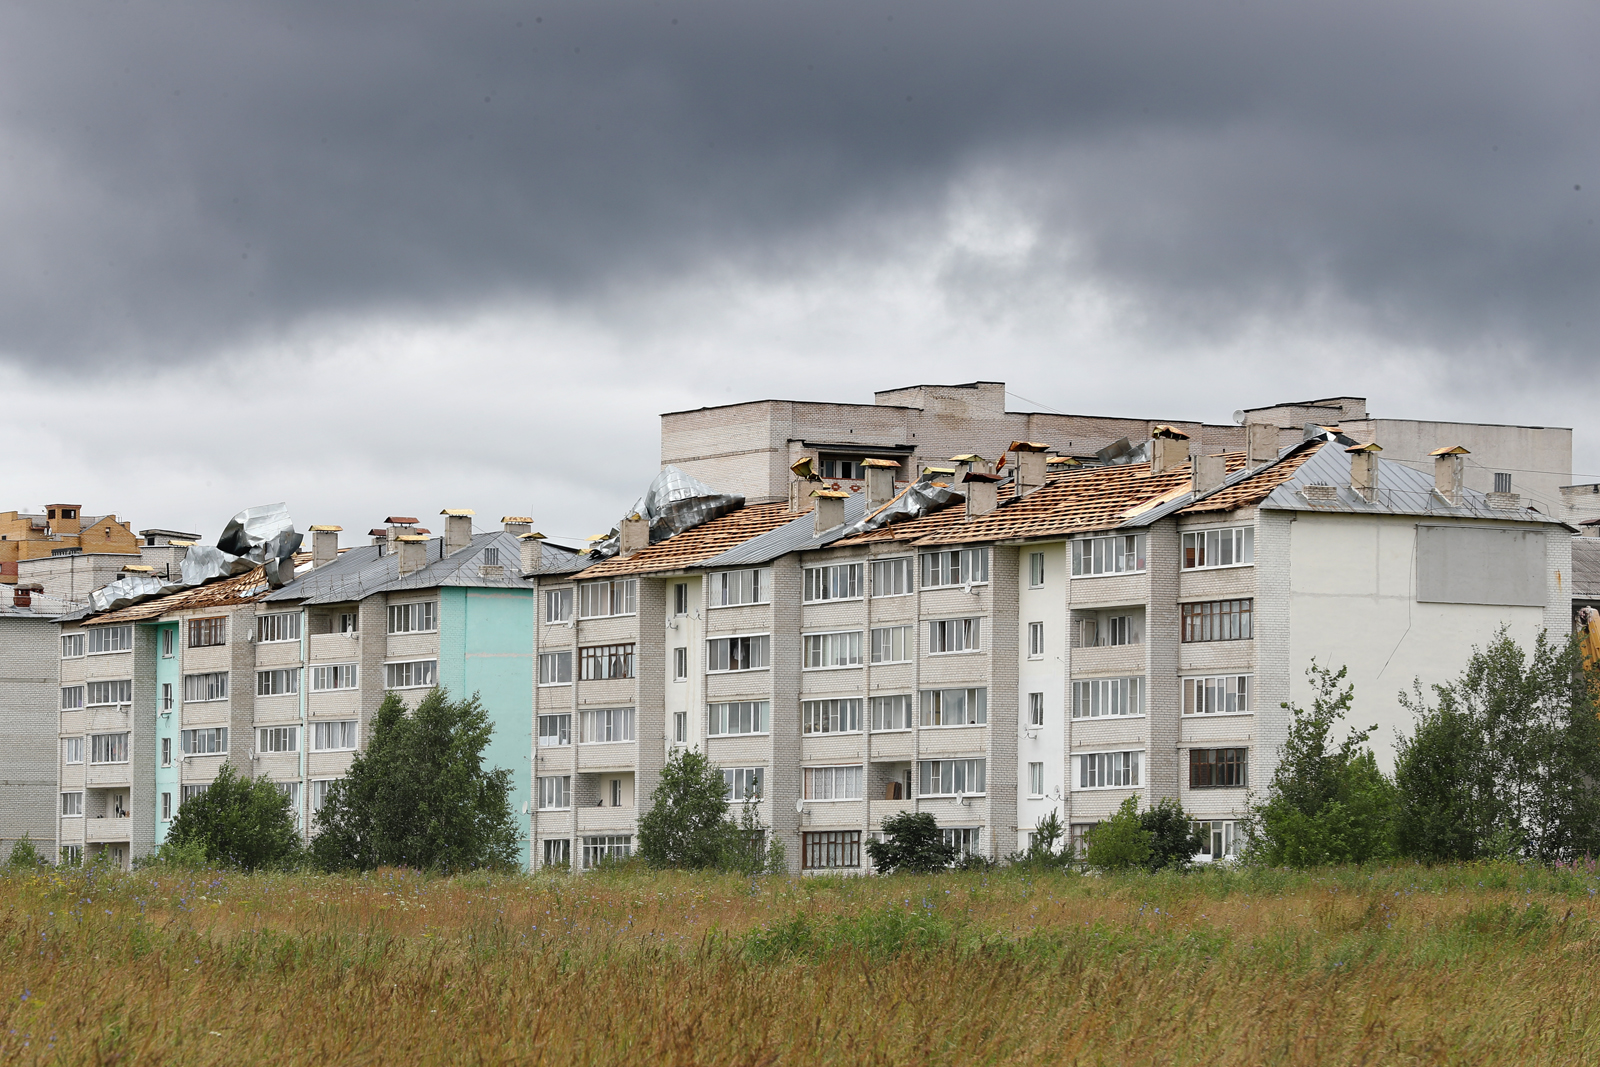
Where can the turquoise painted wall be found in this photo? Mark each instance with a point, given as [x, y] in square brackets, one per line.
[169, 671]
[486, 647]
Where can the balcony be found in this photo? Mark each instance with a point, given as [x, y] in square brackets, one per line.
[95, 830]
[607, 820]
[608, 756]
[108, 775]
[335, 648]
[879, 810]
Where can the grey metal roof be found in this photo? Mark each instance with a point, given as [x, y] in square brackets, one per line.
[797, 535]
[559, 559]
[1586, 568]
[362, 572]
[1402, 490]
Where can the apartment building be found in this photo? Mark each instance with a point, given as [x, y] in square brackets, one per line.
[28, 725]
[59, 529]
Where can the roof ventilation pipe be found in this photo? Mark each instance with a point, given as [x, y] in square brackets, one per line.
[324, 545]
[398, 526]
[806, 479]
[1449, 472]
[457, 529]
[880, 482]
[1030, 473]
[516, 525]
[1169, 448]
[633, 534]
[1364, 470]
[830, 509]
[970, 463]
[1261, 443]
[1208, 473]
[532, 545]
[983, 494]
[413, 550]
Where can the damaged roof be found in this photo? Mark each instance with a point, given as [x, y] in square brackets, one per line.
[223, 593]
[797, 535]
[700, 543]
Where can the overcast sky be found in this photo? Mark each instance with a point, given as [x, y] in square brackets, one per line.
[393, 257]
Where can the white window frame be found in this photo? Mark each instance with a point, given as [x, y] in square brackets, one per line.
[558, 606]
[1036, 709]
[893, 571]
[1109, 698]
[72, 804]
[680, 664]
[206, 687]
[832, 582]
[166, 807]
[73, 645]
[892, 644]
[765, 644]
[953, 637]
[559, 733]
[1035, 780]
[555, 668]
[835, 783]
[1035, 570]
[719, 718]
[73, 698]
[120, 638]
[748, 585]
[973, 697]
[72, 750]
[267, 681]
[1036, 640]
[598, 848]
[555, 792]
[617, 723]
[169, 641]
[1217, 691]
[903, 710]
[319, 792]
[831, 715]
[277, 627]
[414, 617]
[680, 727]
[218, 734]
[89, 700]
[1236, 543]
[278, 740]
[618, 593]
[962, 770]
[1129, 767]
[744, 783]
[109, 746]
[680, 599]
[1108, 554]
[166, 752]
[955, 567]
[323, 673]
[331, 735]
[831, 650]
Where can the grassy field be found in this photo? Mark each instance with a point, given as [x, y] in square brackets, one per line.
[1461, 965]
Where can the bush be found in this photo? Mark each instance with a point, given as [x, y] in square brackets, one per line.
[1121, 842]
[24, 856]
[688, 826]
[912, 842]
[1041, 851]
[237, 822]
[420, 796]
[180, 855]
[1173, 841]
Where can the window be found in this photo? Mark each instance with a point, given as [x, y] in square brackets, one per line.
[555, 792]
[166, 807]
[1035, 570]
[206, 632]
[831, 716]
[72, 750]
[169, 638]
[278, 683]
[737, 717]
[744, 783]
[284, 626]
[1036, 779]
[558, 605]
[72, 855]
[416, 674]
[208, 742]
[337, 736]
[959, 566]
[1502, 483]
[290, 790]
[830, 849]
[1099, 697]
[737, 653]
[274, 740]
[1225, 695]
[490, 557]
[1218, 839]
[108, 748]
[680, 727]
[1108, 770]
[1120, 630]
[166, 752]
[964, 839]
[838, 467]
[1035, 709]
[166, 694]
[202, 687]
[954, 635]
[319, 792]
[189, 792]
[1216, 620]
[72, 805]
[955, 707]
[729, 588]
[948, 777]
[606, 661]
[607, 724]
[1219, 548]
[600, 848]
[555, 668]
[840, 581]
[333, 676]
[616, 792]
[104, 639]
[116, 692]
[1120, 554]
[832, 783]
[832, 650]
[555, 730]
[420, 617]
[72, 697]
[680, 598]
[680, 665]
[1035, 640]
[597, 600]
[558, 852]
[349, 622]
[891, 713]
[891, 577]
[1219, 768]
[71, 645]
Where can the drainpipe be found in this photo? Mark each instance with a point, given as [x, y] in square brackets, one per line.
[305, 733]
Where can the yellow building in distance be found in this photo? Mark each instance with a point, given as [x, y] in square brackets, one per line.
[33, 535]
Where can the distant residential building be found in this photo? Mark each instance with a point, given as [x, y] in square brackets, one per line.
[59, 529]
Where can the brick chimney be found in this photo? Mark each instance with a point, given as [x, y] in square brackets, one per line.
[1449, 472]
[324, 545]
[983, 492]
[1208, 473]
[1030, 472]
[532, 545]
[829, 511]
[413, 549]
[380, 536]
[1169, 448]
[1261, 443]
[805, 480]
[880, 482]
[967, 463]
[457, 529]
[1364, 470]
[399, 526]
[632, 535]
[22, 596]
[516, 525]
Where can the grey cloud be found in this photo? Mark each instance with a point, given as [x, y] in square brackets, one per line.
[177, 176]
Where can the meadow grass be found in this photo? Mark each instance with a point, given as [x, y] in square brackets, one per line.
[1468, 964]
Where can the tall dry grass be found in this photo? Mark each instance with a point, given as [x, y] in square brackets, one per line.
[1482, 964]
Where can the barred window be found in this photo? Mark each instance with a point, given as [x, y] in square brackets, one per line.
[891, 713]
[1118, 554]
[830, 849]
[1219, 768]
[284, 682]
[1108, 770]
[598, 600]
[955, 635]
[891, 644]
[955, 567]
[333, 676]
[737, 653]
[201, 687]
[1228, 694]
[337, 736]
[598, 662]
[119, 691]
[419, 617]
[955, 707]
[1219, 548]
[839, 581]
[603, 847]
[1216, 620]
[71, 697]
[833, 783]
[737, 717]
[832, 650]
[282, 626]
[555, 792]
[555, 729]
[208, 742]
[891, 577]
[607, 724]
[278, 739]
[110, 639]
[555, 668]
[1098, 697]
[831, 716]
[948, 777]
[744, 783]
[108, 748]
[412, 674]
[206, 632]
[730, 588]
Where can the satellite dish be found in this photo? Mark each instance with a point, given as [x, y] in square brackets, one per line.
[1238, 416]
[800, 805]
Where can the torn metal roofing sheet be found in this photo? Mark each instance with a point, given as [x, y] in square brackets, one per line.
[226, 592]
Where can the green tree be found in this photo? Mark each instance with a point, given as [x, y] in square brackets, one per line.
[1042, 851]
[1507, 761]
[1121, 841]
[912, 842]
[688, 826]
[1173, 841]
[24, 856]
[1326, 803]
[237, 821]
[420, 795]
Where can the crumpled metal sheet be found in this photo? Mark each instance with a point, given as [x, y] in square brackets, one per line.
[922, 497]
[673, 503]
[256, 537]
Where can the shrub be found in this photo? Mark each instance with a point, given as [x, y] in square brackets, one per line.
[912, 842]
[24, 856]
[1121, 842]
[237, 822]
[1173, 841]
[1041, 851]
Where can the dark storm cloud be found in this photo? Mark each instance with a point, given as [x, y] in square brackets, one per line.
[178, 175]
